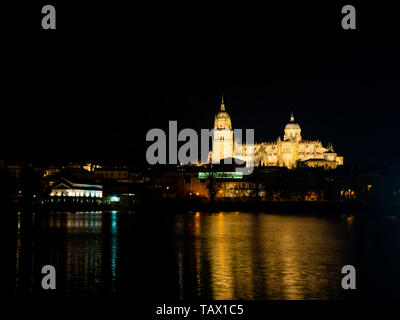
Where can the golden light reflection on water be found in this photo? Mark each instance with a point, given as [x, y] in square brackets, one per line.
[197, 248]
[214, 256]
[259, 256]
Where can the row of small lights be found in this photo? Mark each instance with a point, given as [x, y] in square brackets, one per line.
[79, 194]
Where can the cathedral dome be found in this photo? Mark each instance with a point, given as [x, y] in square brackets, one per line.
[222, 119]
[292, 130]
[292, 124]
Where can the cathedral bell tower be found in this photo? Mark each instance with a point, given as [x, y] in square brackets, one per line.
[222, 145]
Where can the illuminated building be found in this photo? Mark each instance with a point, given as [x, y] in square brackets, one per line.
[112, 174]
[51, 171]
[222, 136]
[67, 188]
[283, 153]
[91, 167]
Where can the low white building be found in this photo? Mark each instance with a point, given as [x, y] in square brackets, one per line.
[66, 188]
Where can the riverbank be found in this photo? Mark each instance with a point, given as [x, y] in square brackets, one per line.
[172, 206]
[295, 207]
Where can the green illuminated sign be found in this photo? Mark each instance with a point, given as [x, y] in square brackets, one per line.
[221, 175]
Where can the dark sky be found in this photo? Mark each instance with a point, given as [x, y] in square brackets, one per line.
[110, 72]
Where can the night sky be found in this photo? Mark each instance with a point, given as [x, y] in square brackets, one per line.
[109, 73]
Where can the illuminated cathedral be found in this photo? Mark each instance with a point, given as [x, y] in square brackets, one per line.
[288, 152]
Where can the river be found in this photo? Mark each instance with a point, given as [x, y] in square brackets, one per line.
[226, 255]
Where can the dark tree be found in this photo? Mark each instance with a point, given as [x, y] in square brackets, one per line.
[213, 185]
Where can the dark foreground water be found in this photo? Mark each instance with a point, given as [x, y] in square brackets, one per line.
[234, 255]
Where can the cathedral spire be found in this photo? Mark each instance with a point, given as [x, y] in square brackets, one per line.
[291, 117]
[222, 104]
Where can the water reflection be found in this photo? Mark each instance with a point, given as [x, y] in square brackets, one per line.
[114, 249]
[83, 247]
[258, 256]
[234, 255]
[18, 252]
